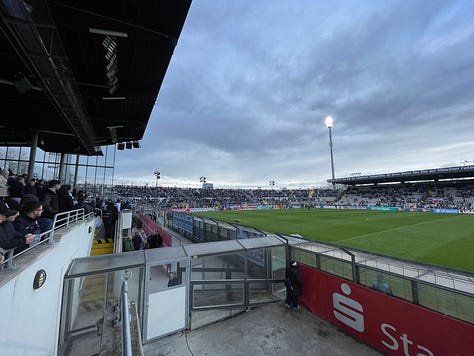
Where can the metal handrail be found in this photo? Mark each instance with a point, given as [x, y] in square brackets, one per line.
[125, 317]
[64, 219]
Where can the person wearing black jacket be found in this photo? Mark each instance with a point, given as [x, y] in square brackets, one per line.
[9, 237]
[27, 222]
[109, 217]
[293, 286]
[65, 199]
[49, 197]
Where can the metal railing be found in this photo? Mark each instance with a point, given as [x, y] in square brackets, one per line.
[125, 318]
[446, 291]
[61, 220]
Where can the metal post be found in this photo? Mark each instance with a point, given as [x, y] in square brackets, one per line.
[76, 170]
[31, 163]
[126, 339]
[332, 156]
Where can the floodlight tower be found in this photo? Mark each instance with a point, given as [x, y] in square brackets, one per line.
[329, 124]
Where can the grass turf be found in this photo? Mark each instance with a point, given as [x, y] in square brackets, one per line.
[440, 239]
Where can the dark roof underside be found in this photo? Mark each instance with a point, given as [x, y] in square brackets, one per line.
[60, 59]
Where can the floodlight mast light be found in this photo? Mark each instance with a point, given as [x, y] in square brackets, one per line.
[329, 123]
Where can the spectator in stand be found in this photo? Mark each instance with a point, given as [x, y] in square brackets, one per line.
[49, 197]
[155, 240]
[16, 187]
[82, 204]
[27, 222]
[137, 242]
[381, 285]
[31, 187]
[65, 198]
[9, 237]
[109, 217]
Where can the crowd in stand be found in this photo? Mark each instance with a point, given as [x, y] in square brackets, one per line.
[174, 197]
[27, 209]
[442, 195]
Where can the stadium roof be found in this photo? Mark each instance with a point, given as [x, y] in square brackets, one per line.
[83, 73]
[409, 176]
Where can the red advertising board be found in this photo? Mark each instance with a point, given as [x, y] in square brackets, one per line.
[151, 227]
[389, 324]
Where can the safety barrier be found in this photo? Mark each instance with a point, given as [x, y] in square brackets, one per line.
[61, 220]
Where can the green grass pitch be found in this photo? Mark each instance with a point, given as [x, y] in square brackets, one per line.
[439, 239]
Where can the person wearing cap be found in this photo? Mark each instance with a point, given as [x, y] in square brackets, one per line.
[293, 286]
[49, 197]
[9, 237]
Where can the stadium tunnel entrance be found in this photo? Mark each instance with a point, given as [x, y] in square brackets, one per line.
[173, 288]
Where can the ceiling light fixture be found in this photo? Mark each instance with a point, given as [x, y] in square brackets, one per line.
[100, 31]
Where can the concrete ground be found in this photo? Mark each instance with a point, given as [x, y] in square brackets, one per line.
[268, 329]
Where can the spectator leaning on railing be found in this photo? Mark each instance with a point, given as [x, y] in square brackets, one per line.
[27, 222]
[9, 237]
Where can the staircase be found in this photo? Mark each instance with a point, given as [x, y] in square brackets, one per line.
[102, 247]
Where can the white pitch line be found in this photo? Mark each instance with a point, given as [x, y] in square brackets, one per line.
[394, 229]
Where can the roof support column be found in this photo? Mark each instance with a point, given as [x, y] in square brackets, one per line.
[76, 170]
[31, 162]
[61, 167]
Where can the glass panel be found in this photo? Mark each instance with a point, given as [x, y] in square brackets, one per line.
[305, 257]
[109, 153]
[164, 254]
[93, 264]
[212, 248]
[218, 294]
[260, 242]
[447, 302]
[229, 266]
[101, 159]
[261, 292]
[83, 159]
[3, 154]
[337, 267]
[40, 155]
[81, 179]
[278, 262]
[399, 287]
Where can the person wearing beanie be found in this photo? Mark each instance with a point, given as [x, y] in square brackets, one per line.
[9, 237]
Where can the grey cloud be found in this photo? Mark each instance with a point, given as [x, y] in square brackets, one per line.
[250, 83]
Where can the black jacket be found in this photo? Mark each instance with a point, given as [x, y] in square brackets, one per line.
[65, 201]
[9, 237]
[26, 225]
[294, 279]
[50, 203]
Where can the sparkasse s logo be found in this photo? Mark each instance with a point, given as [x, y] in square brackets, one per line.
[350, 312]
[347, 310]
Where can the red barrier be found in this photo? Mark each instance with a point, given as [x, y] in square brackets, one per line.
[389, 324]
[151, 227]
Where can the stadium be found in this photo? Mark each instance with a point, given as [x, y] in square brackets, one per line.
[383, 261]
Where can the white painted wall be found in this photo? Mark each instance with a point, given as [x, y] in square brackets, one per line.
[29, 319]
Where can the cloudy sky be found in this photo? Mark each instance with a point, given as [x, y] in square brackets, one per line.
[251, 82]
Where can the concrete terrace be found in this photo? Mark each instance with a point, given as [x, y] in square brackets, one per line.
[268, 329]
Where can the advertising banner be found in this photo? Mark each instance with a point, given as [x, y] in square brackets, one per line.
[183, 222]
[389, 324]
